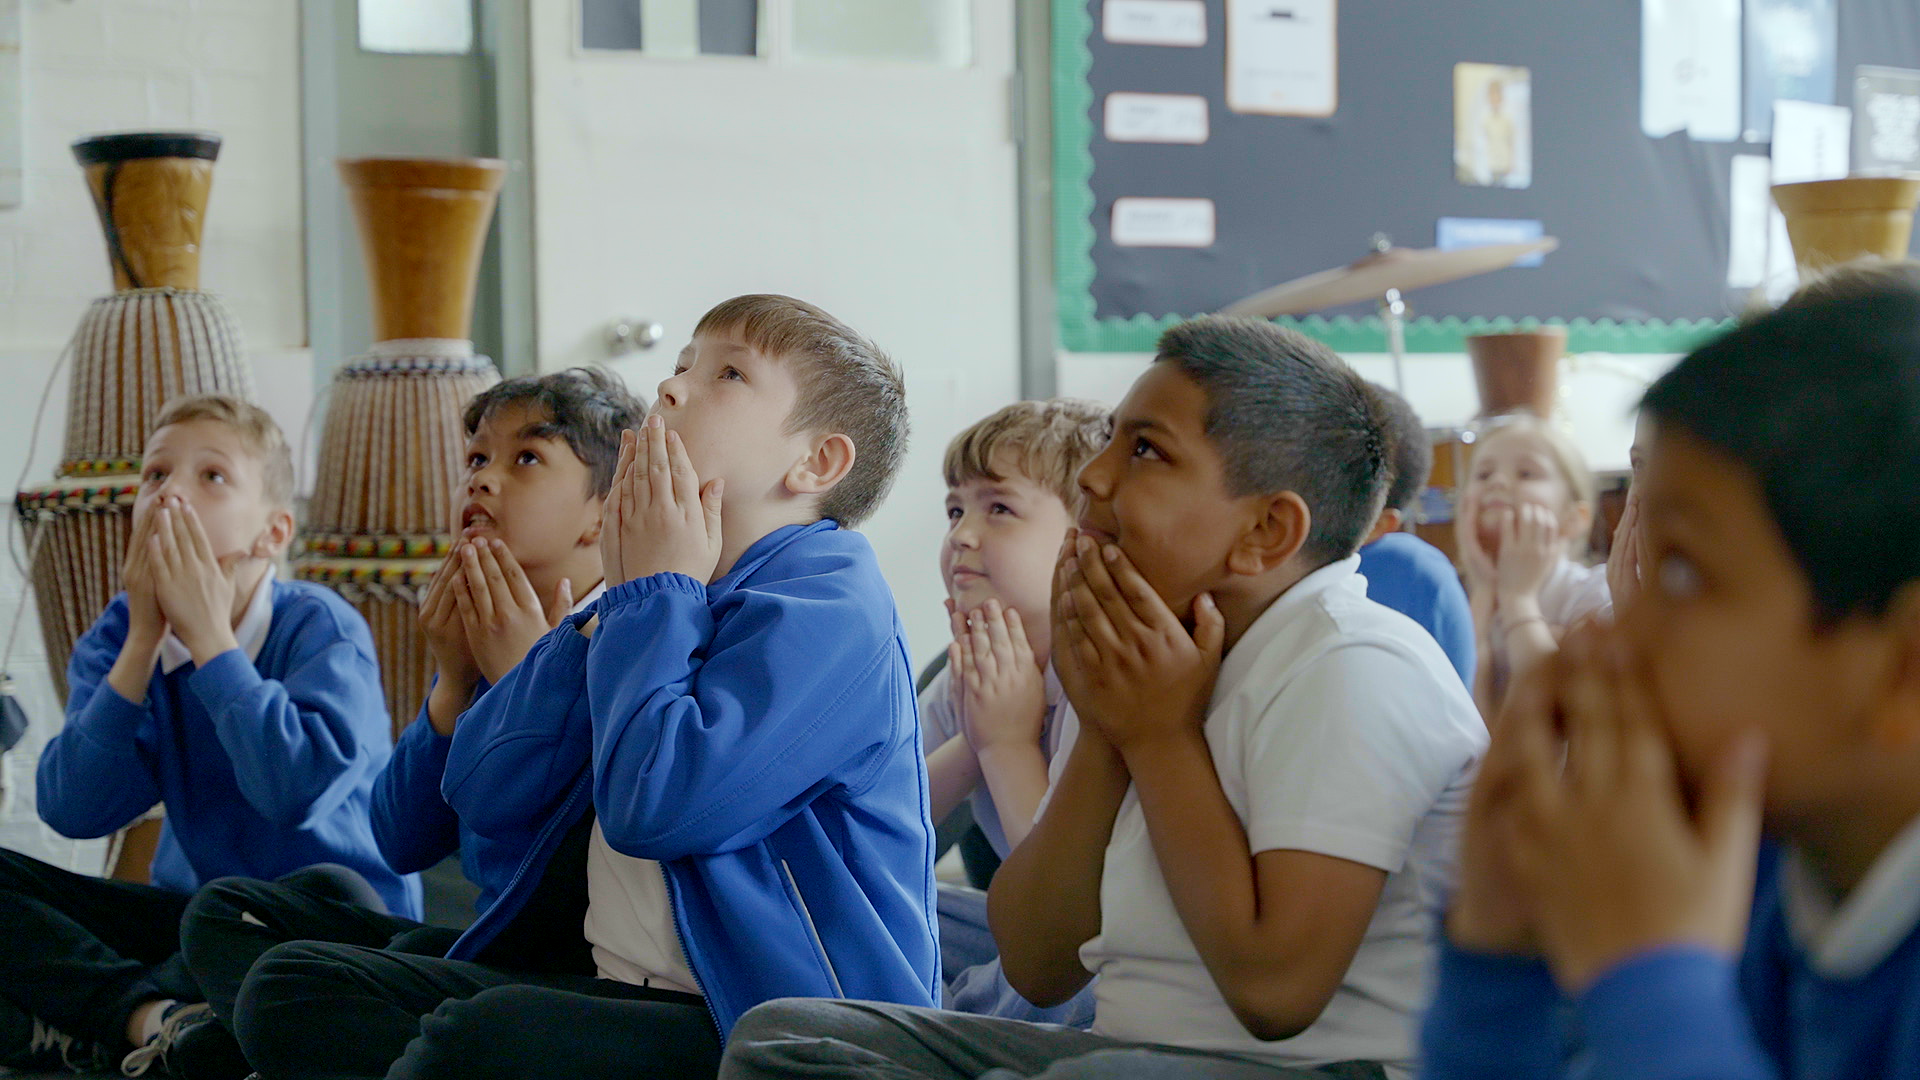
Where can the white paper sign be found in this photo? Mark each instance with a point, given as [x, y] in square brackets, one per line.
[1154, 22]
[1749, 219]
[1810, 142]
[1144, 222]
[1282, 57]
[1690, 68]
[1156, 118]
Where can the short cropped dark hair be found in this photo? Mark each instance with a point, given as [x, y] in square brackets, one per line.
[1285, 413]
[1409, 451]
[1820, 401]
[847, 386]
[586, 407]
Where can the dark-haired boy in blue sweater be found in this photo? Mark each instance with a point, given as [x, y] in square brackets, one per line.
[1764, 679]
[250, 707]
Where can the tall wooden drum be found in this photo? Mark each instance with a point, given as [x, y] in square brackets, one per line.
[381, 517]
[155, 338]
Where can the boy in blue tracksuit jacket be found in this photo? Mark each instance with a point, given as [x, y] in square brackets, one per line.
[540, 456]
[1619, 914]
[250, 707]
[719, 761]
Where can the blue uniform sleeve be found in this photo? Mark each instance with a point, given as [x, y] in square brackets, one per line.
[1453, 627]
[94, 777]
[412, 822]
[1672, 1013]
[1492, 1018]
[521, 747]
[710, 732]
[301, 744]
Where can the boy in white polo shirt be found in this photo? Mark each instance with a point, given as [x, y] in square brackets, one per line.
[1249, 836]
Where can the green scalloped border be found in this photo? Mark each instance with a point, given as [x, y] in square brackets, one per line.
[1073, 238]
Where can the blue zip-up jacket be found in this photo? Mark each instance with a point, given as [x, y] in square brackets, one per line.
[758, 738]
[1681, 1012]
[415, 827]
[265, 766]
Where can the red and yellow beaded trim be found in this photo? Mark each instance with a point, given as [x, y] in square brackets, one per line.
[411, 573]
[72, 497]
[354, 546]
[99, 466]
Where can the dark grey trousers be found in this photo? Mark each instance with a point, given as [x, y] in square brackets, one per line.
[798, 1037]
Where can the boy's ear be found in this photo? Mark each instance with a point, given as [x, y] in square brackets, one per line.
[824, 466]
[595, 508]
[1275, 532]
[275, 538]
[1390, 520]
[1896, 719]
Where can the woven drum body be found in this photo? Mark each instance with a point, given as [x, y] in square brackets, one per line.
[381, 517]
[157, 338]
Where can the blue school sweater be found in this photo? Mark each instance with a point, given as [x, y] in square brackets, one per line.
[758, 737]
[265, 766]
[1417, 580]
[1681, 1013]
[415, 827]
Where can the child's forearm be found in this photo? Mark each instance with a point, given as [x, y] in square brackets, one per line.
[1276, 938]
[1045, 899]
[952, 774]
[1527, 636]
[449, 698]
[1016, 777]
[133, 669]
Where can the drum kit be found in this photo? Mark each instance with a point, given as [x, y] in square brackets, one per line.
[1512, 369]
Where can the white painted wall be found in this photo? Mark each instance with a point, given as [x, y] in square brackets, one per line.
[92, 66]
[884, 193]
[1598, 391]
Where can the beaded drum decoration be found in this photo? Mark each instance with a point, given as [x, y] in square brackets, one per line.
[156, 338]
[381, 517]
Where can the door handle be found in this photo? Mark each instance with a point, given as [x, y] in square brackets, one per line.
[632, 335]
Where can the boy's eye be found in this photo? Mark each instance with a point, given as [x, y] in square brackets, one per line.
[527, 457]
[1144, 449]
[731, 373]
[953, 513]
[216, 476]
[1001, 508]
[1679, 578]
[476, 461]
[679, 369]
[154, 476]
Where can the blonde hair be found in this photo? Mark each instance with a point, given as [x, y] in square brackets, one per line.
[1049, 441]
[257, 430]
[1582, 489]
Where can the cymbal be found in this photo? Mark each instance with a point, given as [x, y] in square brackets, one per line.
[1370, 278]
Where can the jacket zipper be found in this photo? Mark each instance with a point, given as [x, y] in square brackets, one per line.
[812, 929]
[706, 995]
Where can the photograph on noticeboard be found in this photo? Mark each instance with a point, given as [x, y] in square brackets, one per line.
[1493, 125]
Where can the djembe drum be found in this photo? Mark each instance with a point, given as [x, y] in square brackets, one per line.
[155, 338]
[381, 517]
[1835, 221]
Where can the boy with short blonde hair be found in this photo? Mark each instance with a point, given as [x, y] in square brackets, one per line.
[988, 718]
[251, 707]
